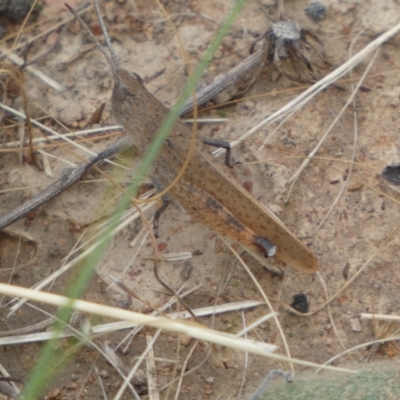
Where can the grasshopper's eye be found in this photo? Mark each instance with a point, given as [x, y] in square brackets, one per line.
[137, 76]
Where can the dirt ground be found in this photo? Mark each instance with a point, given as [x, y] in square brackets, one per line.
[362, 227]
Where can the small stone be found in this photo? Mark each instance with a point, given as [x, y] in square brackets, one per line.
[354, 186]
[355, 325]
[74, 377]
[72, 386]
[315, 11]
[53, 394]
[15, 10]
[210, 379]
[376, 286]
[104, 374]
[124, 304]
[228, 42]
[245, 107]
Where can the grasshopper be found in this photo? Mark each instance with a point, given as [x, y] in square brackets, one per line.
[207, 190]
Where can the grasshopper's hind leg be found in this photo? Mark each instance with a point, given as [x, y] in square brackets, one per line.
[223, 145]
[166, 201]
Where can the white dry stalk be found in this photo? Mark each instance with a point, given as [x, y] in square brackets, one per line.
[246, 354]
[21, 135]
[55, 133]
[86, 132]
[21, 188]
[13, 384]
[380, 317]
[184, 369]
[217, 309]
[178, 326]
[47, 155]
[172, 257]
[97, 130]
[136, 366]
[46, 162]
[205, 120]
[256, 323]
[33, 70]
[103, 390]
[10, 277]
[115, 326]
[319, 86]
[151, 370]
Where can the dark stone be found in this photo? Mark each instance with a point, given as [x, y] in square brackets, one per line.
[392, 174]
[315, 11]
[15, 10]
[300, 303]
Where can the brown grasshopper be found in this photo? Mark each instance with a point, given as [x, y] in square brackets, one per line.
[207, 191]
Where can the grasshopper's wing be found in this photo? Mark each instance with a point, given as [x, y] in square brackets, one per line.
[216, 180]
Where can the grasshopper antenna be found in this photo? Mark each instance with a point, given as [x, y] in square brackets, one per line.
[106, 36]
[112, 60]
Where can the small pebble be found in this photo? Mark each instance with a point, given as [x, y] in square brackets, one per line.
[74, 377]
[245, 107]
[355, 325]
[376, 286]
[104, 373]
[315, 11]
[71, 386]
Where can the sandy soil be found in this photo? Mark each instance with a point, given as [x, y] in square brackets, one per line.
[361, 228]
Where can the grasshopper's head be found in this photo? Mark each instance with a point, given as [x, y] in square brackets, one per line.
[134, 107]
[128, 98]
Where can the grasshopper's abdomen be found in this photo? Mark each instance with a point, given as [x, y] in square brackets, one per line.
[210, 212]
